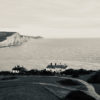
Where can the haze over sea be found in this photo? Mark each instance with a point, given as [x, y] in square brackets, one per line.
[38, 53]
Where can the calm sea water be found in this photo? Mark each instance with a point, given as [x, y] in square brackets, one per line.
[76, 53]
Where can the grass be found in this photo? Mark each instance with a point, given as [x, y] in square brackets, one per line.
[9, 78]
[67, 82]
[78, 95]
[95, 78]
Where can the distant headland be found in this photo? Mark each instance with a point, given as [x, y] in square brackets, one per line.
[14, 38]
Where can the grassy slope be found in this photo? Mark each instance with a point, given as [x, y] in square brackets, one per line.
[26, 88]
[96, 86]
[4, 35]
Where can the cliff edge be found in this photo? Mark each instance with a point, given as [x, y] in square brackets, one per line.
[8, 39]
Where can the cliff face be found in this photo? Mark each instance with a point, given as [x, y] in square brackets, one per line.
[8, 39]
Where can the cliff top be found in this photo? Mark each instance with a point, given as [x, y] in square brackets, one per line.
[4, 35]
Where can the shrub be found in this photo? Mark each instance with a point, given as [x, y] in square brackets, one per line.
[68, 82]
[78, 95]
[75, 75]
[5, 73]
[94, 78]
[76, 72]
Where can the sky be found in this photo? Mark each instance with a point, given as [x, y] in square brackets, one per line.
[51, 18]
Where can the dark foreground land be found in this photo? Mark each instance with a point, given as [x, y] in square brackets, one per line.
[26, 88]
[39, 88]
[48, 85]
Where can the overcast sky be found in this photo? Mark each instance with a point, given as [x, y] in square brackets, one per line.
[51, 18]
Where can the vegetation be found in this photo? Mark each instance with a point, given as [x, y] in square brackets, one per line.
[78, 95]
[40, 72]
[9, 78]
[5, 73]
[76, 73]
[20, 70]
[67, 82]
[95, 78]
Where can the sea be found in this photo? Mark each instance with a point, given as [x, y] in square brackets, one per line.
[38, 53]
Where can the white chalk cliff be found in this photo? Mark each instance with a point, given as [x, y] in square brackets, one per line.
[8, 39]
